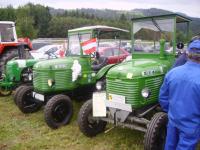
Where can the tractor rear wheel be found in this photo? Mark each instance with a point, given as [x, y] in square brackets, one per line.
[25, 102]
[87, 124]
[155, 136]
[6, 56]
[58, 111]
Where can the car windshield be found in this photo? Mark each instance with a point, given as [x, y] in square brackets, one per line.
[6, 33]
[147, 35]
[74, 43]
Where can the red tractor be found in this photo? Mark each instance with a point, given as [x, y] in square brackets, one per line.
[10, 46]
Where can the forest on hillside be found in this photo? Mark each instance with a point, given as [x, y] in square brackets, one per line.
[37, 21]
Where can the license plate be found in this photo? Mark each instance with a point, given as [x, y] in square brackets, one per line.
[38, 96]
[98, 104]
[126, 107]
[116, 98]
[118, 102]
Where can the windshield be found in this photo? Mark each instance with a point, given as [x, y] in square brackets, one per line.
[6, 33]
[48, 47]
[74, 43]
[147, 35]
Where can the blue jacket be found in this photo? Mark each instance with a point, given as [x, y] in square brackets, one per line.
[180, 97]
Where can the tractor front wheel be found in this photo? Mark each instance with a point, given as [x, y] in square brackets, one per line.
[58, 111]
[87, 124]
[16, 93]
[155, 136]
[25, 102]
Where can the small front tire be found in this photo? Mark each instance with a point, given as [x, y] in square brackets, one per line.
[87, 124]
[58, 111]
[25, 102]
[155, 136]
[16, 93]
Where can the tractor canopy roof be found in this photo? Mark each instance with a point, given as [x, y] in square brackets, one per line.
[97, 28]
[7, 22]
[179, 18]
[149, 31]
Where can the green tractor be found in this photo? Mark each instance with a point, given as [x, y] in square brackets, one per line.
[56, 81]
[130, 98]
[17, 72]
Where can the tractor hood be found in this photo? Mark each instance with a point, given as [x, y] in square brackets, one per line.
[21, 63]
[54, 64]
[139, 68]
[60, 63]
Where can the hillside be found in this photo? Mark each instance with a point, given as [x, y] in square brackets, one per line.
[116, 14]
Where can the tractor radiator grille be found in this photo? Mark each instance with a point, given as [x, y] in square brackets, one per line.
[62, 80]
[132, 90]
[154, 85]
[128, 89]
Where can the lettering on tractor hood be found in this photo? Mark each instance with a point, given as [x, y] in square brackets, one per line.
[136, 68]
[55, 64]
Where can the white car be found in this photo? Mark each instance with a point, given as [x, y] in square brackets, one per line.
[48, 52]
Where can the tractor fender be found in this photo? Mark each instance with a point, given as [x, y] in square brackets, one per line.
[102, 72]
[26, 42]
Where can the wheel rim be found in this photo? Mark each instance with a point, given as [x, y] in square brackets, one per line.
[60, 112]
[5, 91]
[28, 101]
[91, 122]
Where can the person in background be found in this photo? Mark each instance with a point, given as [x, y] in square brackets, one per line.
[180, 98]
[182, 59]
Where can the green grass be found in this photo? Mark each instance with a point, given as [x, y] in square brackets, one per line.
[20, 132]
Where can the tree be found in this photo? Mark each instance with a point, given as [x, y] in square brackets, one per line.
[25, 23]
[41, 17]
[7, 14]
[122, 17]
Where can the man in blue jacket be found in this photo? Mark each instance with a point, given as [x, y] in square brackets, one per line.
[180, 98]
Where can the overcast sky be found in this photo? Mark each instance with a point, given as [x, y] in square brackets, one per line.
[189, 7]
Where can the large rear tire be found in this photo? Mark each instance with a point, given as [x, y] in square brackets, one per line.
[25, 102]
[58, 111]
[6, 56]
[155, 136]
[87, 124]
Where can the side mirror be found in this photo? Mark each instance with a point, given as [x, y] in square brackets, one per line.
[180, 45]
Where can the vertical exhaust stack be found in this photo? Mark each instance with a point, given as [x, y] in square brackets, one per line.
[162, 48]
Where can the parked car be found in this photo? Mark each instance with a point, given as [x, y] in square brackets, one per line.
[114, 54]
[48, 51]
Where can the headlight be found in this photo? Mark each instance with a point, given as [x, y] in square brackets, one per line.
[100, 85]
[146, 93]
[30, 77]
[51, 82]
